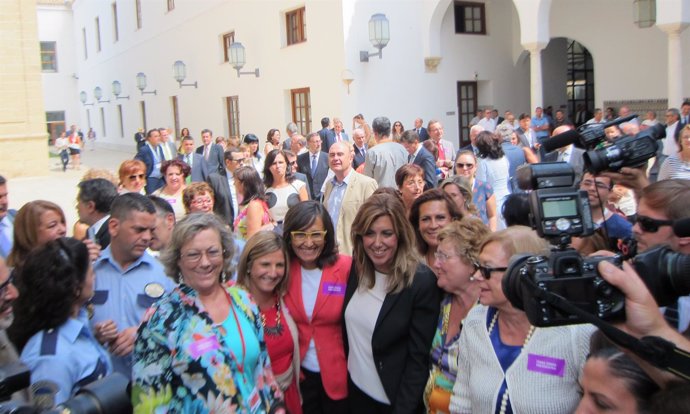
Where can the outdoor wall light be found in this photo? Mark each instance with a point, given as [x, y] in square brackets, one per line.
[379, 35]
[98, 94]
[83, 97]
[237, 59]
[180, 73]
[141, 84]
[117, 90]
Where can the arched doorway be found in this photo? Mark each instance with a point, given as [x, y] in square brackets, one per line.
[580, 79]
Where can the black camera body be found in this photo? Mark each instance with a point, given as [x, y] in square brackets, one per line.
[626, 151]
[568, 275]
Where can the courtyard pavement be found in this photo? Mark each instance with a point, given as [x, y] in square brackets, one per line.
[61, 187]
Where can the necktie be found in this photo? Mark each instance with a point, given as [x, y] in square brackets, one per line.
[410, 158]
[441, 154]
[189, 160]
[363, 151]
[206, 151]
[313, 165]
[5, 242]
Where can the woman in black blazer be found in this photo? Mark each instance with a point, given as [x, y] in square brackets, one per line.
[391, 309]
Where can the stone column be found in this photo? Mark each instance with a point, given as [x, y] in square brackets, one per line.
[675, 63]
[536, 82]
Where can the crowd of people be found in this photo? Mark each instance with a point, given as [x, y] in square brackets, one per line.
[338, 273]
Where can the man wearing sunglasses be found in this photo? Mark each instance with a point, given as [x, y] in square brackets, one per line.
[660, 205]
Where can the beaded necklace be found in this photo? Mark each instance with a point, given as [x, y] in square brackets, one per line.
[504, 399]
[275, 330]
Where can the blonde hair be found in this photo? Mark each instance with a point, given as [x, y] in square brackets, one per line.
[466, 236]
[518, 240]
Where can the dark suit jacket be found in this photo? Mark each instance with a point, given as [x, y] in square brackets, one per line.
[425, 160]
[145, 154]
[314, 182]
[215, 161]
[359, 158]
[423, 134]
[575, 160]
[103, 236]
[223, 197]
[327, 138]
[199, 167]
[331, 139]
[140, 139]
[402, 338]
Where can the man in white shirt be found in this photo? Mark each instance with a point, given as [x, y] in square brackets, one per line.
[598, 117]
[488, 123]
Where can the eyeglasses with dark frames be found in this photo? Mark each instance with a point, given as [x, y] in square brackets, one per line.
[650, 225]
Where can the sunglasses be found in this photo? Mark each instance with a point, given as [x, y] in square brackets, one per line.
[650, 225]
[135, 176]
[464, 166]
[486, 271]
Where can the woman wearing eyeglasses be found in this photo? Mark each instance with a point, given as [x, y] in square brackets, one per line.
[506, 364]
[456, 258]
[198, 198]
[482, 194]
[391, 309]
[132, 174]
[315, 293]
[201, 347]
[51, 322]
[263, 272]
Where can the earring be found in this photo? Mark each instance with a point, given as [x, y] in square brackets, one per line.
[180, 279]
[224, 277]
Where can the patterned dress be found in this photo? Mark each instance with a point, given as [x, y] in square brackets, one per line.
[185, 362]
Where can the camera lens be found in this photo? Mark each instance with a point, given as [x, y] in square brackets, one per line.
[665, 272]
[599, 160]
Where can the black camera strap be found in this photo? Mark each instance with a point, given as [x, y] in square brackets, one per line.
[653, 349]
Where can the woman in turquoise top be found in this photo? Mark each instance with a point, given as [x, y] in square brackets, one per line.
[456, 256]
[201, 348]
[52, 329]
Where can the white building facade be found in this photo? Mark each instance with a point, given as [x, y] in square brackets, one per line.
[444, 60]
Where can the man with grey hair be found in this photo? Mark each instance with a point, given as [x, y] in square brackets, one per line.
[383, 160]
[360, 147]
[474, 131]
[298, 144]
[291, 129]
[672, 125]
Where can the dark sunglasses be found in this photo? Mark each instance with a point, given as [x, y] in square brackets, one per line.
[650, 225]
[486, 271]
[464, 166]
[139, 176]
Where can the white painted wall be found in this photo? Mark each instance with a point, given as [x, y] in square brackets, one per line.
[60, 88]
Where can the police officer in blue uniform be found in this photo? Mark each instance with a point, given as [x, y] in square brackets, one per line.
[128, 279]
[55, 283]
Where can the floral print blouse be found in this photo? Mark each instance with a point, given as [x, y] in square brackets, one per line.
[183, 363]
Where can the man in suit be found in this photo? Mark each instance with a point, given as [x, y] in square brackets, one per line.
[140, 138]
[570, 154]
[195, 161]
[6, 220]
[420, 130]
[326, 134]
[152, 156]
[420, 156]
[93, 206]
[360, 147]
[212, 153]
[337, 135]
[165, 223]
[526, 136]
[684, 118]
[496, 118]
[298, 145]
[223, 185]
[672, 129]
[314, 164]
[291, 129]
[446, 151]
[345, 193]
[168, 147]
[474, 132]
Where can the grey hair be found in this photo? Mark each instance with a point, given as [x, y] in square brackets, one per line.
[185, 230]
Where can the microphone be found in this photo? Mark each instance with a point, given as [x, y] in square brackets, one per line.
[681, 227]
[561, 140]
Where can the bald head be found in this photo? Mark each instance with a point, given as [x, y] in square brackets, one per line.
[340, 159]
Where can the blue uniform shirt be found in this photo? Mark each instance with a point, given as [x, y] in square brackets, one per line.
[123, 295]
[64, 359]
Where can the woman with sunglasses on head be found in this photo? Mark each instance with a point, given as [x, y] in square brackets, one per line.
[51, 322]
[456, 258]
[482, 194]
[315, 293]
[132, 174]
[263, 272]
[200, 348]
[506, 364]
[391, 305]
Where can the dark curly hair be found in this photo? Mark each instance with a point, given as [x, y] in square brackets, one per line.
[49, 284]
[184, 168]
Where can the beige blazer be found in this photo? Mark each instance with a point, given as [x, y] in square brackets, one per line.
[358, 190]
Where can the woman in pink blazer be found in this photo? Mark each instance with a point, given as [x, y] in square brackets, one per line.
[316, 289]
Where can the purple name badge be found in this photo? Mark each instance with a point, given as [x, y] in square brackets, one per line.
[546, 365]
[202, 346]
[337, 289]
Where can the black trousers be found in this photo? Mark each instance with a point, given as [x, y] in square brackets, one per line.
[360, 402]
[314, 397]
